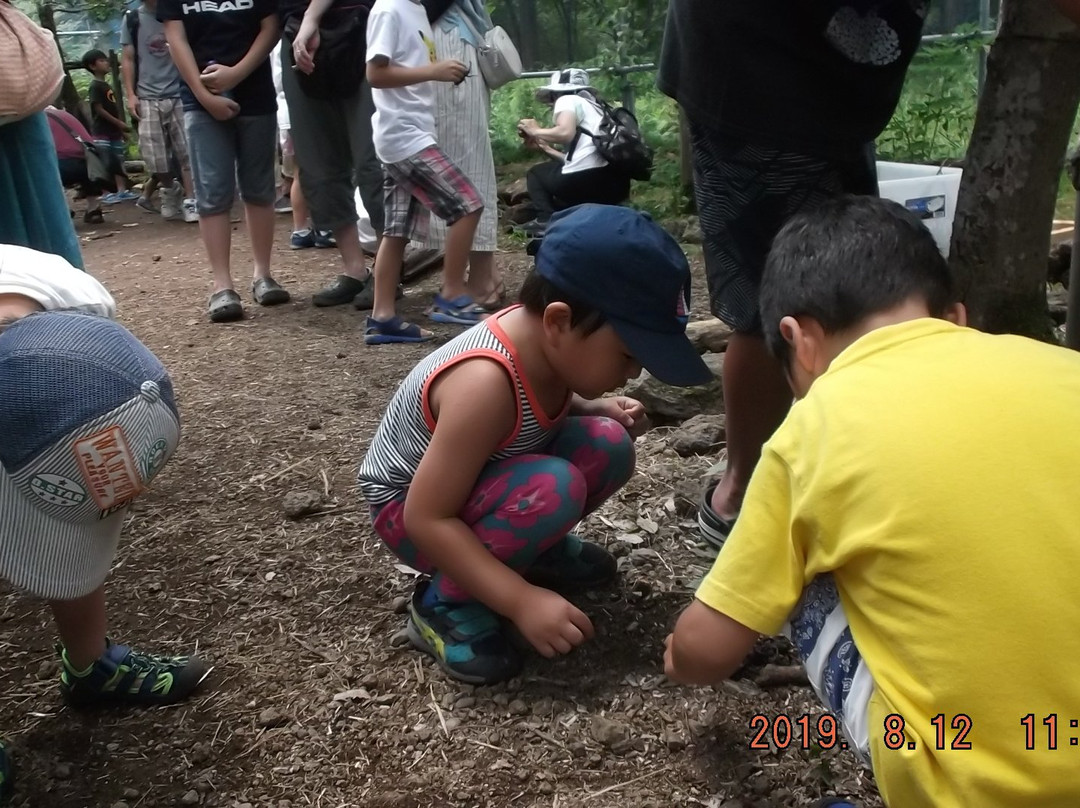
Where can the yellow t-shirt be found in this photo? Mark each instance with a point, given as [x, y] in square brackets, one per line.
[935, 471]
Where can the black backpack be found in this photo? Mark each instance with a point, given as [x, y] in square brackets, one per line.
[619, 140]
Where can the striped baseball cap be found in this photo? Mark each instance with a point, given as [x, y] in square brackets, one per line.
[87, 418]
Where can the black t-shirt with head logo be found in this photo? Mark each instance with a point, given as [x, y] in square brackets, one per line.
[102, 96]
[222, 31]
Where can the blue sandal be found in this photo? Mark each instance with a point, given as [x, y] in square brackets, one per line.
[459, 311]
[384, 332]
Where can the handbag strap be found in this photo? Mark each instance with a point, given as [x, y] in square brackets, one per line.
[480, 41]
[74, 135]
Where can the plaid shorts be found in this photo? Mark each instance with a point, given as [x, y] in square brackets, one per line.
[427, 182]
[161, 125]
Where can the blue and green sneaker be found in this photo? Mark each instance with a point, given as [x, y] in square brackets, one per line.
[124, 676]
[7, 776]
[467, 639]
[573, 565]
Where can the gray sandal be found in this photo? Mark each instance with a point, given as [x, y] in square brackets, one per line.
[225, 307]
[268, 292]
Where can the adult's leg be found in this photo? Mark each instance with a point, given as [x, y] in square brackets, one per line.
[366, 165]
[256, 138]
[33, 209]
[745, 194]
[605, 186]
[542, 180]
[212, 145]
[321, 131]
[173, 122]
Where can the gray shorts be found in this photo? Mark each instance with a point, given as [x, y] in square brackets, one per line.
[226, 152]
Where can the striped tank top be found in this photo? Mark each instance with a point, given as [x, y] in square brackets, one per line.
[406, 428]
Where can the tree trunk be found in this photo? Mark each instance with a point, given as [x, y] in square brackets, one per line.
[529, 44]
[1007, 195]
[69, 95]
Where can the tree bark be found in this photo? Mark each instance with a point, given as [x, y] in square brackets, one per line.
[69, 95]
[1014, 161]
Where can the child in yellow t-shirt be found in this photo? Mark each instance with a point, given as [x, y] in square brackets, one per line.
[912, 524]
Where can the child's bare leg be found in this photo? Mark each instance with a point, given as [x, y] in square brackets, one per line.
[217, 236]
[387, 275]
[81, 624]
[300, 212]
[482, 284]
[260, 223]
[459, 239]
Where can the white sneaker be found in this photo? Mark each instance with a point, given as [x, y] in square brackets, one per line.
[191, 212]
[170, 202]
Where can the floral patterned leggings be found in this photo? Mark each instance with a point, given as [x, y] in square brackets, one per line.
[527, 504]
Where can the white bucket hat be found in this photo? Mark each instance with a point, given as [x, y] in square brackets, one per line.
[571, 80]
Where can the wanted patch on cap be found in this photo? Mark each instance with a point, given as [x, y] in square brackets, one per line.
[108, 467]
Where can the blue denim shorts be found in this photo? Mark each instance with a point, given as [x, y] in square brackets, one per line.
[224, 153]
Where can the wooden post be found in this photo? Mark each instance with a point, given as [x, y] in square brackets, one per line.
[118, 92]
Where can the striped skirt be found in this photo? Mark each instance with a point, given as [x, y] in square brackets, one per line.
[461, 122]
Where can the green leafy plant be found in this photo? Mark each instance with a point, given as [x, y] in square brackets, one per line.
[934, 118]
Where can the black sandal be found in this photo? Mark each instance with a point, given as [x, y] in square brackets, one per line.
[225, 307]
[714, 528]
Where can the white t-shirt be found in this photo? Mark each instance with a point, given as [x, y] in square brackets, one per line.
[404, 119]
[588, 117]
[52, 282]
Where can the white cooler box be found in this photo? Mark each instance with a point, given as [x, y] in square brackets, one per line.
[929, 191]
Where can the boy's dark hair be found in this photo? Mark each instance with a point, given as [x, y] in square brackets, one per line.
[92, 56]
[537, 293]
[849, 258]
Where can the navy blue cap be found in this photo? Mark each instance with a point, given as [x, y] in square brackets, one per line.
[628, 267]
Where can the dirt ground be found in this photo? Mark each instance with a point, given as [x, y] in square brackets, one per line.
[310, 702]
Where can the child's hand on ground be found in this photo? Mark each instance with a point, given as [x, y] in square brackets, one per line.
[449, 70]
[223, 109]
[550, 623]
[219, 79]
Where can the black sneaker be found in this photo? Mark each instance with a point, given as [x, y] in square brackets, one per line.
[341, 290]
[324, 239]
[573, 565]
[94, 217]
[124, 676]
[7, 776]
[466, 639]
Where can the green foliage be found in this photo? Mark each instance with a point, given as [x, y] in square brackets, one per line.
[934, 118]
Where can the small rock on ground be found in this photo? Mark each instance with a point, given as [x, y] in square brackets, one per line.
[301, 503]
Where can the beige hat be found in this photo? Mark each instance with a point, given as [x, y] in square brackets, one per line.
[571, 80]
